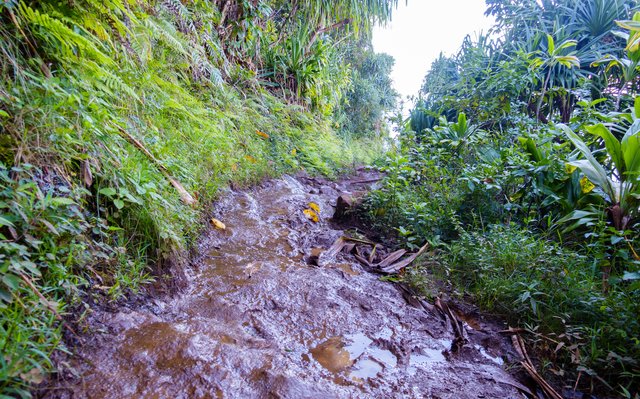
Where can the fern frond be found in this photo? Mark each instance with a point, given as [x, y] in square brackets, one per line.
[58, 35]
[111, 80]
[141, 44]
[177, 9]
[163, 31]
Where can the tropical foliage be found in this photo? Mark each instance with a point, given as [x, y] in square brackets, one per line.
[520, 161]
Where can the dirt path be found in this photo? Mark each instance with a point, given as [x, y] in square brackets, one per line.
[256, 321]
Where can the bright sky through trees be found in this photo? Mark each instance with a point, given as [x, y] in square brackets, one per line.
[421, 30]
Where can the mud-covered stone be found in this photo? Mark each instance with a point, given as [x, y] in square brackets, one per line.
[344, 205]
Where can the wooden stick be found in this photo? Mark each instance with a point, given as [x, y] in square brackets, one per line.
[46, 303]
[184, 194]
[526, 363]
[359, 240]
[392, 257]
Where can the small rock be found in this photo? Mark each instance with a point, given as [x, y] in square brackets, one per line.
[314, 257]
[344, 204]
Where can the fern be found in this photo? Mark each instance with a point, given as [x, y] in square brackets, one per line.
[164, 32]
[111, 80]
[141, 44]
[60, 36]
[181, 14]
[177, 9]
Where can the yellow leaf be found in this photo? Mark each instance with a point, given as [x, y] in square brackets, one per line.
[314, 206]
[234, 167]
[570, 168]
[586, 185]
[218, 224]
[250, 158]
[262, 134]
[380, 212]
[311, 215]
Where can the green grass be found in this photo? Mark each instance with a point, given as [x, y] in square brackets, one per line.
[554, 293]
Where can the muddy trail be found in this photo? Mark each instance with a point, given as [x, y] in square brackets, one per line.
[257, 320]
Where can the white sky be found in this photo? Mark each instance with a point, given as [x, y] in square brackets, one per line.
[421, 30]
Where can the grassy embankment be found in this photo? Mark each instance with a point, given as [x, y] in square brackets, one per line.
[117, 132]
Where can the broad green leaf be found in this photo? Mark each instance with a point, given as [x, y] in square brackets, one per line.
[569, 61]
[631, 25]
[628, 276]
[5, 222]
[12, 281]
[631, 149]
[108, 191]
[612, 144]
[5, 296]
[30, 266]
[636, 108]
[118, 203]
[591, 167]
[581, 218]
[567, 44]
[62, 201]
[550, 45]
[531, 148]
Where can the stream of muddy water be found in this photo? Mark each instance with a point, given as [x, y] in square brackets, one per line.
[257, 321]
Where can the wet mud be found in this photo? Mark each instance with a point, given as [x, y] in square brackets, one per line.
[256, 320]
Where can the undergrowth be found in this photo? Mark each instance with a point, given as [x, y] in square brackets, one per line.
[508, 247]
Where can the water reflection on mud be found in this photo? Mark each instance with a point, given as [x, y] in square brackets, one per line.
[257, 321]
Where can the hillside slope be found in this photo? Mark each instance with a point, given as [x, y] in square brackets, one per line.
[121, 122]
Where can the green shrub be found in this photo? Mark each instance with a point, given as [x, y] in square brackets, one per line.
[554, 291]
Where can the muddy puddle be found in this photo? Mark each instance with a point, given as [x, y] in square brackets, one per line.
[257, 321]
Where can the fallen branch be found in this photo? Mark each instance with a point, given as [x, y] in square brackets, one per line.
[527, 364]
[362, 260]
[392, 257]
[46, 303]
[394, 268]
[361, 241]
[456, 324]
[184, 194]
[331, 253]
[412, 299]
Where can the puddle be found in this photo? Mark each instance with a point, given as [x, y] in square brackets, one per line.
[332, 355]
[496, 359]
[358, 343]
[354, 355]
[337, 354]
[384, 356]
[366, 368]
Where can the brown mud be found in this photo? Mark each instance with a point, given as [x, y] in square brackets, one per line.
[256, 320]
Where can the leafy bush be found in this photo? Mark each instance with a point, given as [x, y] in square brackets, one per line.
[556, 293]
